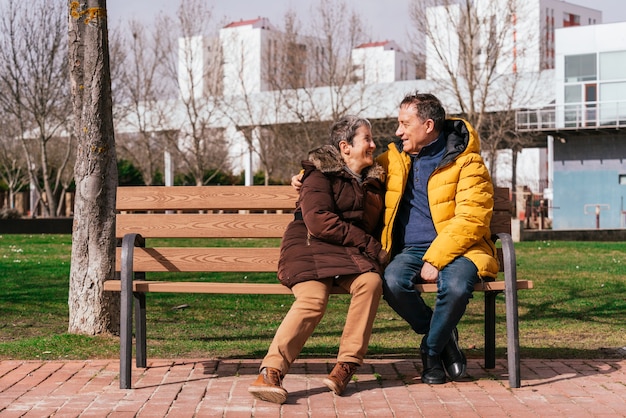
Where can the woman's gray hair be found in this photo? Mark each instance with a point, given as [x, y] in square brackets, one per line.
[345, 129]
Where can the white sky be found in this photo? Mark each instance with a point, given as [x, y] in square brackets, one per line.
[386, 19]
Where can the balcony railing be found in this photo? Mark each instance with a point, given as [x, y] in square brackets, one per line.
[587, 115]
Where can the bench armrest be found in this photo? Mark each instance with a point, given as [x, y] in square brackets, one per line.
[508, 257]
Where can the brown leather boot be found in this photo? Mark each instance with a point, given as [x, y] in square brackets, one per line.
[340, 376]
[269, 386]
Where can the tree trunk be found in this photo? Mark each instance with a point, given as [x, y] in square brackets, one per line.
[95, 172]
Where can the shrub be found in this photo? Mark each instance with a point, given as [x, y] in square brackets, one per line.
[9, 213]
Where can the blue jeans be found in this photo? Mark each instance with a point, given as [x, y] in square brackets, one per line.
[454, 290]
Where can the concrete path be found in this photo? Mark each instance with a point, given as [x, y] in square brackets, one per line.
[383, 388]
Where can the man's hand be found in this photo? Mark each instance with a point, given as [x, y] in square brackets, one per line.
[296, 182]
[429, 273]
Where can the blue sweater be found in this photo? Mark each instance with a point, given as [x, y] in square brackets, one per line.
[414, 223]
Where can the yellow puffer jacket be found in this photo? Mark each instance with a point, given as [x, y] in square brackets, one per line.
[460, 195]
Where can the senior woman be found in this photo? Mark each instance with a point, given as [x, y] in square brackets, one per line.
[331, 241]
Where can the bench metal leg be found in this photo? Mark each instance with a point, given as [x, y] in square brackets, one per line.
[490, 329]
[140, 329]
[512, 334]
[126, 307]
[126, 338]
[126, 325]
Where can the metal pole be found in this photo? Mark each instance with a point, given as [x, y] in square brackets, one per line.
[168, 168]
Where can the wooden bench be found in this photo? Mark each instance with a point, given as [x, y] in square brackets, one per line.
[249, 212]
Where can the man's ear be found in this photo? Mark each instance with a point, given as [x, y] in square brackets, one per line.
[430, 125]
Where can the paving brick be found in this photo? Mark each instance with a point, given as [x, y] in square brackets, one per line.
[387, 388]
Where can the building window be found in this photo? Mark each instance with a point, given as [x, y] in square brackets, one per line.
[580, 68]
[612, 104]
[573, 94]
[622, 179]
[570, 19]
[613, 65]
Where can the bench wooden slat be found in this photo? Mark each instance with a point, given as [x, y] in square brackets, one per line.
[197, 225]
[501, 200]
[205, 198]
[501, 219]
[194, 259]
[500, 222]
[208, 287]
[269, 288]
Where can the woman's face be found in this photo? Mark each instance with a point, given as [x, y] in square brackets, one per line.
[360, 154]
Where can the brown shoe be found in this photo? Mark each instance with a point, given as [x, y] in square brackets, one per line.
[340, 376]
[269, 386]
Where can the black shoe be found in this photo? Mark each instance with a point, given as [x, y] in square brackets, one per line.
[432, 367]
[453, 358]
[433, 373]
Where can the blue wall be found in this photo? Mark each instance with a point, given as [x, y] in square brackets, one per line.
[587, 172]
[574, 190]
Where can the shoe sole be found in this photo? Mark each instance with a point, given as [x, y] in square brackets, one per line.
[269, 394]
[433, 381]
[332, 386]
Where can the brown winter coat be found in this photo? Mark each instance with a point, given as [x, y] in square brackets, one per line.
[335, 222]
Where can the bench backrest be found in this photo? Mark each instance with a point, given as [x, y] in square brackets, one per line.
[502, 210]
[222, 212]
[205, 212]
[144, 210]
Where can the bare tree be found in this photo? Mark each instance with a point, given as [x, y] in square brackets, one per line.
[311, 78]
[12, 165]
[93, 238]
[476, 54]
[248, 109]
[193, 65]
[333, 32]
[118, 56]
[141, 106]
[292, 74]
[33, 78]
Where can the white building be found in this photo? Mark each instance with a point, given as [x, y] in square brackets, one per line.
[381, 62]
[547, 16]
[253, 56]
[525, 34]
[585, 128]
[256, 57]
[198, 74]
[591, 68]
[245, 46]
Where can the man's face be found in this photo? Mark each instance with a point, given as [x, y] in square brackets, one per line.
[414, 133]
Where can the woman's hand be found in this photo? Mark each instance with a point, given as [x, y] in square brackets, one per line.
[296, 181]
[383, 257]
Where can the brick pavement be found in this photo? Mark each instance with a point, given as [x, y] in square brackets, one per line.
[383, 388]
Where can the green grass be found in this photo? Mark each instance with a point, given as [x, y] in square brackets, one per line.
[577, 310]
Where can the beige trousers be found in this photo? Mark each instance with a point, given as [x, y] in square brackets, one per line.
[308, 310]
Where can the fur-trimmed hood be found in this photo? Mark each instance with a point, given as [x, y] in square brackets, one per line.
[327, 159]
